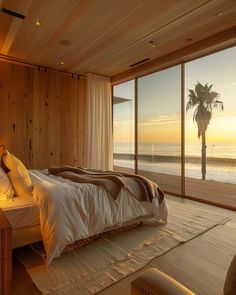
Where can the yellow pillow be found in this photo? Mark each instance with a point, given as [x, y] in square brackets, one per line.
[17, 173]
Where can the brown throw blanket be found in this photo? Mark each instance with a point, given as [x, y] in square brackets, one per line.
[113, 182]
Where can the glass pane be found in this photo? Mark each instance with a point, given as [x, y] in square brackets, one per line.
[159, 128]
[211, 127]
[123, 126]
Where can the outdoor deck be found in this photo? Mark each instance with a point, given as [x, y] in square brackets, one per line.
[212, 192]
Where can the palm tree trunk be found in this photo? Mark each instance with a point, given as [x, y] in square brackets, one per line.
[203, 156]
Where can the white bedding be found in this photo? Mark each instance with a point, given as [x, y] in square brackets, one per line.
[21, 212]
[71, 211]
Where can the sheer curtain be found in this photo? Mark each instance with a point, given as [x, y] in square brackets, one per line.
[98, 125]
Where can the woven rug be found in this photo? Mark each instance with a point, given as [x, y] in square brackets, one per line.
[103, 262]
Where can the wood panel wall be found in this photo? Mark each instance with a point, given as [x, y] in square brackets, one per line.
[42, 115]
[5, 256]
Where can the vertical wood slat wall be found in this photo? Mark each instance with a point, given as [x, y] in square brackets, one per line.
[42, 115]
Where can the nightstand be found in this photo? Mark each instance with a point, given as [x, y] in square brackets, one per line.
[5, 256]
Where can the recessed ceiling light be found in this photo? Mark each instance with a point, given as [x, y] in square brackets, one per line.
[62, 62]
[219, 13]
[153, 43]
[37, 22]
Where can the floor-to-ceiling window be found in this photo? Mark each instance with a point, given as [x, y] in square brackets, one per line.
[205, 90]
[210, 127]
[159, 128]
[123, 126]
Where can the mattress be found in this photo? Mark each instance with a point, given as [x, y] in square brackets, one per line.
[21, 212]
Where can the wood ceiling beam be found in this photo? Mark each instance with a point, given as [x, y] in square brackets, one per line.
[205, 46]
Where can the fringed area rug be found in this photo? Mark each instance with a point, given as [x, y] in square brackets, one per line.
[103, 262]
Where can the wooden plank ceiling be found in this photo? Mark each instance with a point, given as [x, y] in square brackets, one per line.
[107, 36]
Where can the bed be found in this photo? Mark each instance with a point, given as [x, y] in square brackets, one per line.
[61, 211]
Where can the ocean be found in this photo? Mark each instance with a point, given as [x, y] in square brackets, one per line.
[165, 158]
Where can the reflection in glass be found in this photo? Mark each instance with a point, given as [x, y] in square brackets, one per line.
[123, 126]
[159, 128]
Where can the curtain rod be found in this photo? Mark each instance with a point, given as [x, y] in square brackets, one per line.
[16, 60]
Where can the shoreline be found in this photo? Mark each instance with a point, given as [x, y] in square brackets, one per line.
[175, 159]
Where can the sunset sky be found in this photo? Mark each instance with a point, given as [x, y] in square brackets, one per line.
[159, 102]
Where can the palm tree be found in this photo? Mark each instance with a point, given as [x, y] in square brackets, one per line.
[203, 100]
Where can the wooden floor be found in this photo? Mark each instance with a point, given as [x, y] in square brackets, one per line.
[222, 194]
[214, 192]
[200, 264]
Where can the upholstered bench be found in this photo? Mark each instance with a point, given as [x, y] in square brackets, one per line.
[155, 282]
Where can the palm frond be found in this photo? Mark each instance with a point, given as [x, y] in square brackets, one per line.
[209, 87]
[193, 100]
[194, 114]
[199, 90]
[204, 99]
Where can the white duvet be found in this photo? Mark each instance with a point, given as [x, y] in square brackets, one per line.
[71, 211]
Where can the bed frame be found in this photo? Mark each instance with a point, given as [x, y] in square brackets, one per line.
[32, 234]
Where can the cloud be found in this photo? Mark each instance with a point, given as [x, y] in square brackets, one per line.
[162, 120]
[159, 120]
[122, 123]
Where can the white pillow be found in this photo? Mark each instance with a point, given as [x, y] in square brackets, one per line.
[6, 189]
[18, 174]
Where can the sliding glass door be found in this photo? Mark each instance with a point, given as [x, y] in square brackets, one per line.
[211, 127]
[179, 128]
[159, 128]
[123, 127]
